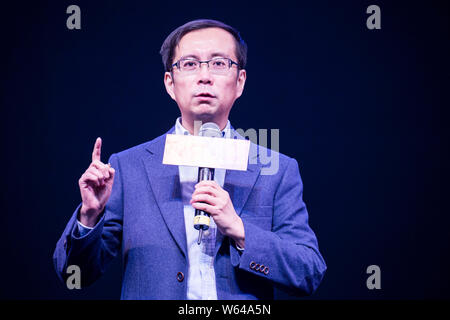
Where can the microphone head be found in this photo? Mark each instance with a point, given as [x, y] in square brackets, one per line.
[210, 129]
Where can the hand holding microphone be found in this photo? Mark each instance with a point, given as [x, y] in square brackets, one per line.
[209, 199]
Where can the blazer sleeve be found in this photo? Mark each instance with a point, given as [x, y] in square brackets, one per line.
[93, 251]
[288, 253]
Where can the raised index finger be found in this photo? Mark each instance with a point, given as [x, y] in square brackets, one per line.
[97, 150]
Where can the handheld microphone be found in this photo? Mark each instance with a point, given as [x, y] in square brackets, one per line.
[202, 218]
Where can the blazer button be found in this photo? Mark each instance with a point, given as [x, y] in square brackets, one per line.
[252, 265]
[266, 270]
[180, 276]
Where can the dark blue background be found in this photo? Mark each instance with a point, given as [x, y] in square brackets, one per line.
[363, 111]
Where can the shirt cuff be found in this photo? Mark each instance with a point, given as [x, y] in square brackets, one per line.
[82, 229]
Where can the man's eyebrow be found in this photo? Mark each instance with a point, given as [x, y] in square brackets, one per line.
[219, 54]
[213, 55]
[189, 56]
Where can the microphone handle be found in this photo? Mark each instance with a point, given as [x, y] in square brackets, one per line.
[201, 218]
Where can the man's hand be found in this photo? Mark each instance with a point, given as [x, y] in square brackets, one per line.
[210, 197]
[95, 187]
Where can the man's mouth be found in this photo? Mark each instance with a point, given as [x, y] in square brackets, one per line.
[205, 95]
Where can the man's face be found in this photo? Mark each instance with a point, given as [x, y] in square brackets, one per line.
[203, 95]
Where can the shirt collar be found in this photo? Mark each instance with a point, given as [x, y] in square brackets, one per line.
[179, 129]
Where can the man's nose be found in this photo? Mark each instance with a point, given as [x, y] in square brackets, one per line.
[204, 76]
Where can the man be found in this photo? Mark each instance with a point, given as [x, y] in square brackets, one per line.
[259, 237]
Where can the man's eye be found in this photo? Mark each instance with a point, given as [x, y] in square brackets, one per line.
[219, 63]
[189, 64]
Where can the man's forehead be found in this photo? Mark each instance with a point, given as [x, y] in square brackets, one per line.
[206, 43]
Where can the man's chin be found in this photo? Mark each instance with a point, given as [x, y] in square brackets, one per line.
[205, 112]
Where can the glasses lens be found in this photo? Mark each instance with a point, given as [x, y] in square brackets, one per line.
[188, 65]
[219, 64]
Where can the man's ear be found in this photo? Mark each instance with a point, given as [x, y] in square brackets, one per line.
[242, 76]
[169, 83]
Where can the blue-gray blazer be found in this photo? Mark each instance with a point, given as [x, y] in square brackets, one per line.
[144, 218]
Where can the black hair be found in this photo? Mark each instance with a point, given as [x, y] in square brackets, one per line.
[168, 47]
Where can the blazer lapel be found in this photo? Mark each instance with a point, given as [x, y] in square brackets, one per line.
[165, 184]
[239, 184]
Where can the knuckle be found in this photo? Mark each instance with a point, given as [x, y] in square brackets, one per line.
[98, 164]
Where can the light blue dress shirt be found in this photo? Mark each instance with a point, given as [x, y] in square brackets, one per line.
[201, 280]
